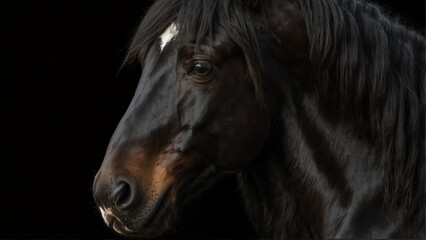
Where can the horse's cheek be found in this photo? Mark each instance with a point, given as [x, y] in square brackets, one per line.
[235, 160]
[242, 145]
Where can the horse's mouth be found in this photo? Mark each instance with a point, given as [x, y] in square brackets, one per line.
[119, 227]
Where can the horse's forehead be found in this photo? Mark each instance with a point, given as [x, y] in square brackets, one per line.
[168, 35]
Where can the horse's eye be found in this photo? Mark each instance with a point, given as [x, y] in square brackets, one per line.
[201, 68]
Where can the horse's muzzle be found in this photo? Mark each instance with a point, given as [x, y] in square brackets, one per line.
[116, 196]
[129, 203]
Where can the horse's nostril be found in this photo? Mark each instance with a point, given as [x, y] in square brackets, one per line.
[124, 194]
[121, 193]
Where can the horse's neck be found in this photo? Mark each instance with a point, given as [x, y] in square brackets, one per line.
[321, 179]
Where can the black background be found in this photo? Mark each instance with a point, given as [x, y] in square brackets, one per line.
[61, 99]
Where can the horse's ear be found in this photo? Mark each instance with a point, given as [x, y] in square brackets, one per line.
[250, 4]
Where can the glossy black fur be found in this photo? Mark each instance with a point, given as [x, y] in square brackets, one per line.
[317, 105]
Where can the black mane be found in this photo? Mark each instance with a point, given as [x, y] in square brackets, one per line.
[375, 68]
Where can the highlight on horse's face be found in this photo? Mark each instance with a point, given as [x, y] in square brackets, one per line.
[194, 118]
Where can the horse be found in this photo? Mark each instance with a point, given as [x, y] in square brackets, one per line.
[316, 106]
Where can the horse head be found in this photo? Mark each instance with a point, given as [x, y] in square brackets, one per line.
[196, 116]
[316, 105]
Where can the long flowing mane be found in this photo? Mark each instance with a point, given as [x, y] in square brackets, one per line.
[375, 68]
[369, 63]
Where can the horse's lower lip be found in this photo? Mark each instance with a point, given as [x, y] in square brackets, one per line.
[119, 227]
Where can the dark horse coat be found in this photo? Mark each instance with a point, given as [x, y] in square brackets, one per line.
[317, 105]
